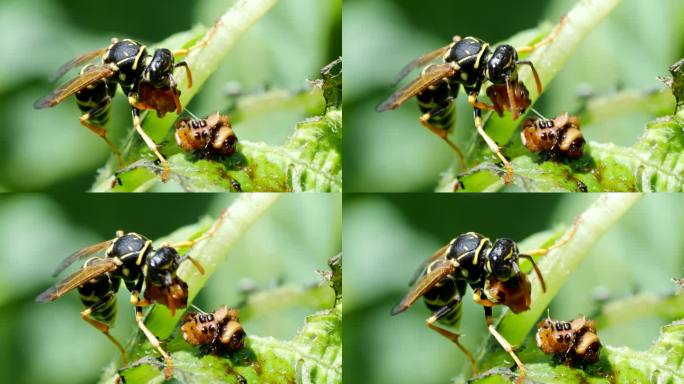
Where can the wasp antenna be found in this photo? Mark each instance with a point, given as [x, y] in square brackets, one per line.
[191, 114]
[534, 73]
[537, 113]
[536, 270]
[197, 308]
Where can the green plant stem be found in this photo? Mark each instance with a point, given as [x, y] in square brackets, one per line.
[668, 307]
[556, 267]
[655, 103]
[261, 303]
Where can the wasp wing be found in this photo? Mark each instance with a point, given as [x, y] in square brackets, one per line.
[423, 285]
[432, 74]
[94, 74]
[428, 57]
[94, 269]
[75, 62]
[439, 253]
[81, 253]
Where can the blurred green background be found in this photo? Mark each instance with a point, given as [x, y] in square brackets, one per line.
[287, 46]
[391, 151]
[387, 237]
[49, 343]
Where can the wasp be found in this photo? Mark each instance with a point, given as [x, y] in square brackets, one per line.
[146, 79]
[490, 269]
[132, 258]
[556, 139]
[210, 137]
[219, 332]
[467, 62]
[574, 343]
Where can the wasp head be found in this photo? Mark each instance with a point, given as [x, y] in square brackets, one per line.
[502, 64]
[159, 71]
[502, 261]
[162, 266]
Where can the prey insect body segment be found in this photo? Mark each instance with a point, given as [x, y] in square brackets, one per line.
[210, 137]
[219, 332]
[467, 62]
[491, 269]
[555, 139]
[574, 343]
[132, 258]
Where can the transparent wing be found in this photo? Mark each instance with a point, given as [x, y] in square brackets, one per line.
[93, 270]
[439, 253]
[96, 73]
[428, 57]
[423, 285]
[81, 253]
[433, 74]
[75, 62]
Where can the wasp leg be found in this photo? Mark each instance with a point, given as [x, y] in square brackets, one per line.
[454, 337]
[561, 242]
[475, 103]
[150, 143]
[139, 318]
[206, 235]
[102, 327]
[135, 294]
[548, 39]
[492, 145]
[440, 132]
[504, 344]
[100, 131]
[205, 40]
[480, 298]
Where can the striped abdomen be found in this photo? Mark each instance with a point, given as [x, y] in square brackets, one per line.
[448, 292]
[94, 95]
[439, 95]
[94, 291]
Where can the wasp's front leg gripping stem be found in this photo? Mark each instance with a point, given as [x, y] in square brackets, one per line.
[139, 318]
[150, 144]
[208, 234]
[561, 242]
[548, 39]
[492, 145]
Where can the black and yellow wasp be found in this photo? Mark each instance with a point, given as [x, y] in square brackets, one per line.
[132, 258]
[147, 80]
[490, 269]
[466, 62]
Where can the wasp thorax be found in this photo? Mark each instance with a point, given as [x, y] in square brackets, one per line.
[502, 64]
[129, 57]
